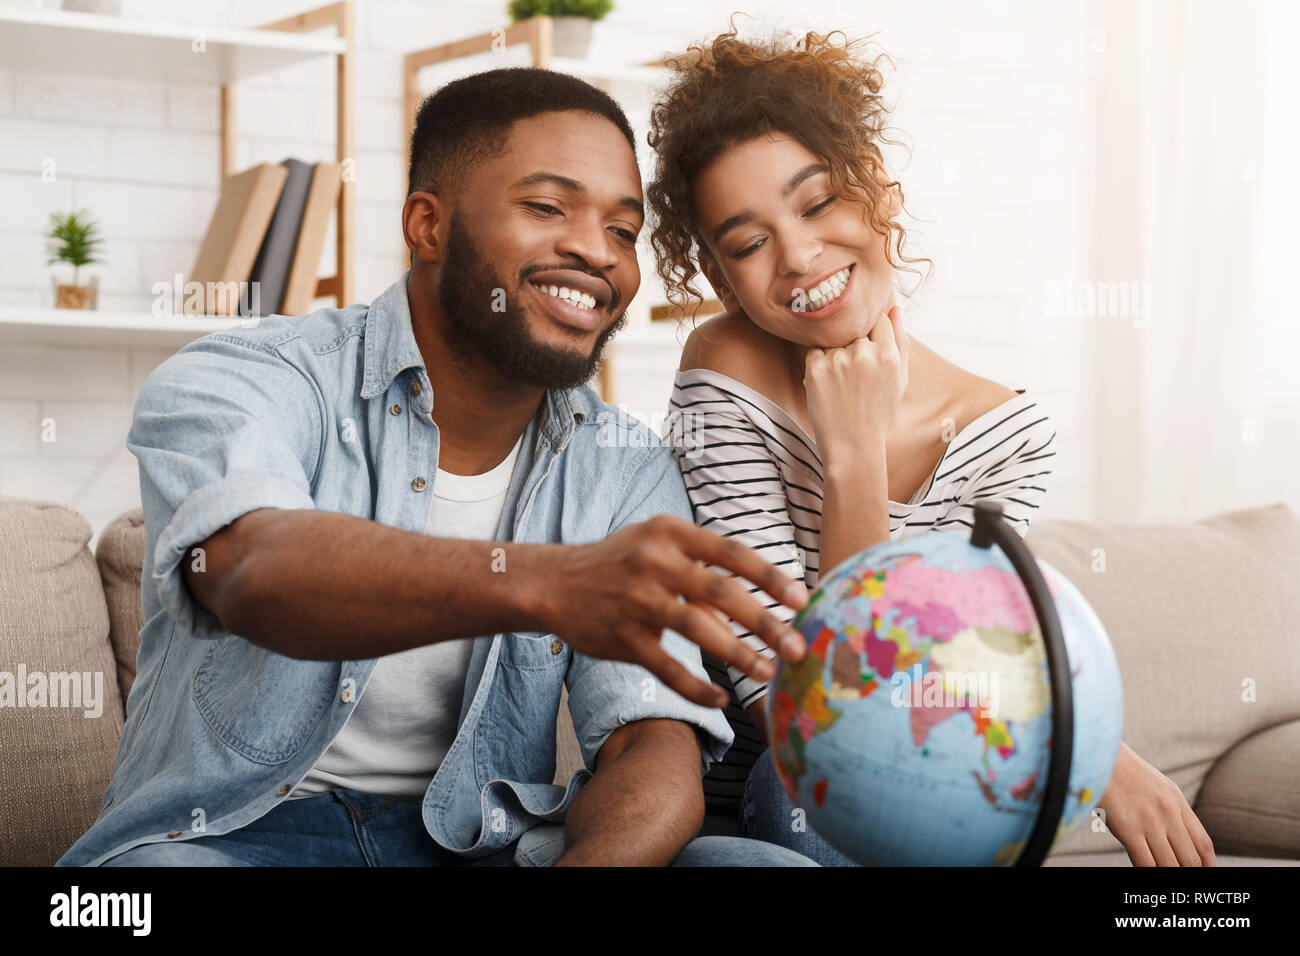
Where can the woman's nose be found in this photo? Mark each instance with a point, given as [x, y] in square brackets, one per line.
[797, 255]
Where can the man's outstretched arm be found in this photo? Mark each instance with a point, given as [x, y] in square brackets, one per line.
[325, 586]
[318, 585]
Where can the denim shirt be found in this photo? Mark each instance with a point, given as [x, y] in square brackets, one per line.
[332, 411]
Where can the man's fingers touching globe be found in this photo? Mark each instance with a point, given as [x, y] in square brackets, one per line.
[709, 587]
[714, 637]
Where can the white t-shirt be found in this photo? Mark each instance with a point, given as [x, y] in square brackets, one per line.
[405, 721]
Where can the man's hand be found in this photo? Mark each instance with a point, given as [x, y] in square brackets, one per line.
[1147, 813]
[613, 599]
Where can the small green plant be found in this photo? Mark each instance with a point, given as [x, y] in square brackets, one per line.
[591, 9]
[73, 238]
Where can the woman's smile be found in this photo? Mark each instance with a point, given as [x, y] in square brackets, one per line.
[826, 297]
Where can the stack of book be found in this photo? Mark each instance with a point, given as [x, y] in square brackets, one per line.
[265, 240]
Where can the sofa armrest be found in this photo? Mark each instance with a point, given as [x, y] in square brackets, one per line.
[1250, 801]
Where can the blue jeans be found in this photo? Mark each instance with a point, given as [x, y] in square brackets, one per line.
[351, 828]
[767, 813]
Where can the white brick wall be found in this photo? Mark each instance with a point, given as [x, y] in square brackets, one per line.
[994, 99]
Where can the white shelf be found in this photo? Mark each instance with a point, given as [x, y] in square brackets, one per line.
[595, 70]
[96, 44]
[75, 327]
[39, 326]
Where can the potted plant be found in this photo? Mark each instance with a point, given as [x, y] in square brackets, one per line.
[573, 19]
[74, 238]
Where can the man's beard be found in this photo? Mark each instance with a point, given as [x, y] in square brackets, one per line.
[467, 291]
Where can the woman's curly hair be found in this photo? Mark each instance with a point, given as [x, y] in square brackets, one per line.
[821, 93]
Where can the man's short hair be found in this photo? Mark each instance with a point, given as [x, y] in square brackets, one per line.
[468, 121]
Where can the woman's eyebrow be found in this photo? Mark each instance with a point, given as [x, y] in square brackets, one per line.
[564, 182]
[747, 215]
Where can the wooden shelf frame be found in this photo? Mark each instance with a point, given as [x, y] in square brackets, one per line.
[537, 32]
[342, 17]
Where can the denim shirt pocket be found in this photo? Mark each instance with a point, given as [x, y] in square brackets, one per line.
[515, 735]
[263, 705]
[533, 650]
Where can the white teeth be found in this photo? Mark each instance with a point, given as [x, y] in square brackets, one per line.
[581, 300]
[826, 291]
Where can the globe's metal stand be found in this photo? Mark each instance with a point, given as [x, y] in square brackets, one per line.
[992, 528]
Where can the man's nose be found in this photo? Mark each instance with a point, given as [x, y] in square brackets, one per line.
[587, 239]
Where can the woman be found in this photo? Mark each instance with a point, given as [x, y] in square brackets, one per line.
[808, 424]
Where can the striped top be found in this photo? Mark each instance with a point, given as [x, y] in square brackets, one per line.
[754, 474]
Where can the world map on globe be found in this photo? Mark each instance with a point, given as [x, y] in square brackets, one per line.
[917, 729]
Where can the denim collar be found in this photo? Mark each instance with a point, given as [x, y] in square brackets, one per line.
[391, 349]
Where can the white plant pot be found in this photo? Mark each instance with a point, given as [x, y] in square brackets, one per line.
[571, 37]
[108, 7]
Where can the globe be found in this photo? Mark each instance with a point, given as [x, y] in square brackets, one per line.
[918, 728]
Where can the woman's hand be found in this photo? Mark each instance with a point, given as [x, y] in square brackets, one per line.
[855, 391]
[1147, 813]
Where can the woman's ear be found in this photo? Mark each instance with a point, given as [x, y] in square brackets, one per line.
[714, 274]
[895, 200]
[892, 189]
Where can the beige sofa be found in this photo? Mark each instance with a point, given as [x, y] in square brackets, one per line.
[1204, 616]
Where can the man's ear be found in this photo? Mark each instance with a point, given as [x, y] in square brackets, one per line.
[424, 221]
[714, 274]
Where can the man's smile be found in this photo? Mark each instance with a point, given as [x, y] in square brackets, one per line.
[566, 312]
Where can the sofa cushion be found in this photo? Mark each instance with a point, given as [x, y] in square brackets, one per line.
[1249, 801]
[1203, 617]
[120, 556]
[58, 749]
[568, 752]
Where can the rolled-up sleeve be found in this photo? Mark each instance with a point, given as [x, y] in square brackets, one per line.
[219, 429]
[605, 695]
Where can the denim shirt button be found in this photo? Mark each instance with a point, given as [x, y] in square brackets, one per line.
[557, 645]
[415, 388]
[174, 834]
[419, 484]
[284, 788]
[396, 409]
[346, 696]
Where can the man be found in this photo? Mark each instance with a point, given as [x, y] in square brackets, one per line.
[340, 507]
